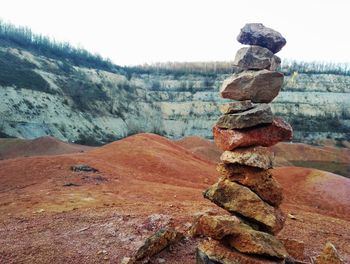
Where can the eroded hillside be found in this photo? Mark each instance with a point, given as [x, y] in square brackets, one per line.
[44, 96]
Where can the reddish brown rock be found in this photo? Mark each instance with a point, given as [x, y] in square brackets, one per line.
[258, 157]
[215, 252]
[258, 86]
[240, 200]
[329, 255]
[258, 180]
[239, 236]
[236, 107]
[265, 135]
[295, 249]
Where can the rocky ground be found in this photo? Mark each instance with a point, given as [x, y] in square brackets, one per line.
[51, 214]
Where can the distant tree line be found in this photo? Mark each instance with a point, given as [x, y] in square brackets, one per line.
[23, 37]
[184, 68]
[288, 67]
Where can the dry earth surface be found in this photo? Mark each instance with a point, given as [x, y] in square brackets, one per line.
[50, 214]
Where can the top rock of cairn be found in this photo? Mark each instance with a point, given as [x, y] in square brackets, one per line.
[258, 34]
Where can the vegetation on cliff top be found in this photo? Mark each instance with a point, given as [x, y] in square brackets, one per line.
[23, 37]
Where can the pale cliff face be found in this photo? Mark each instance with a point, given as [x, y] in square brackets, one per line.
[107, 106]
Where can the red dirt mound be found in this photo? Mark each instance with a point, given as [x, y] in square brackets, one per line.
[50, 214]
[13, 147]
[333, 159]
[299, 151]
[201, 147]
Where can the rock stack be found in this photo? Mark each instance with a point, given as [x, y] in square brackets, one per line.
[246, 187]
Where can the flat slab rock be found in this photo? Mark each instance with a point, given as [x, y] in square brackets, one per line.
[264, 135]
[258, 86]
[258, 157]
[258, 180]
[256, 58]
[216, 252]
[239, 199]
[236, 107]
[239, 236]
[258, 34]
[260, 114]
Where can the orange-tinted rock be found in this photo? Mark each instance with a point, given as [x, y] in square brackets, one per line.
[329, 255]
[216, 252]
[258, 157]
[258, 180]
[264, 135]
[239, 236]
[214, 226]
[295, 248]
[240, 200]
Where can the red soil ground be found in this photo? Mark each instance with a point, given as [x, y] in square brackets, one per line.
[144, 182]
[285, 153]
[15, 147]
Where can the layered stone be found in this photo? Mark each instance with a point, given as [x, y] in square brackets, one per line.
[258, 180]
[258, 157]
[216, 252]
[236, 107]
[260, 114]
[214, 226]
[256, 58]
[240, 200]
[258, 86]
[258, 34]
[239, 236]
[264, 135]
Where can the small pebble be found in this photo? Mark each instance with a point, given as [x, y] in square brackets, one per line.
[125, 260]
[292, 217]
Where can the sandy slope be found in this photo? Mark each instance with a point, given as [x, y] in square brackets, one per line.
[144, 182]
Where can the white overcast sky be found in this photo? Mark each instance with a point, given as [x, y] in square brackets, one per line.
[145, 31]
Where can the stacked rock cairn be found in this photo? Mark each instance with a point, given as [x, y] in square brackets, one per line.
[246, 187]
